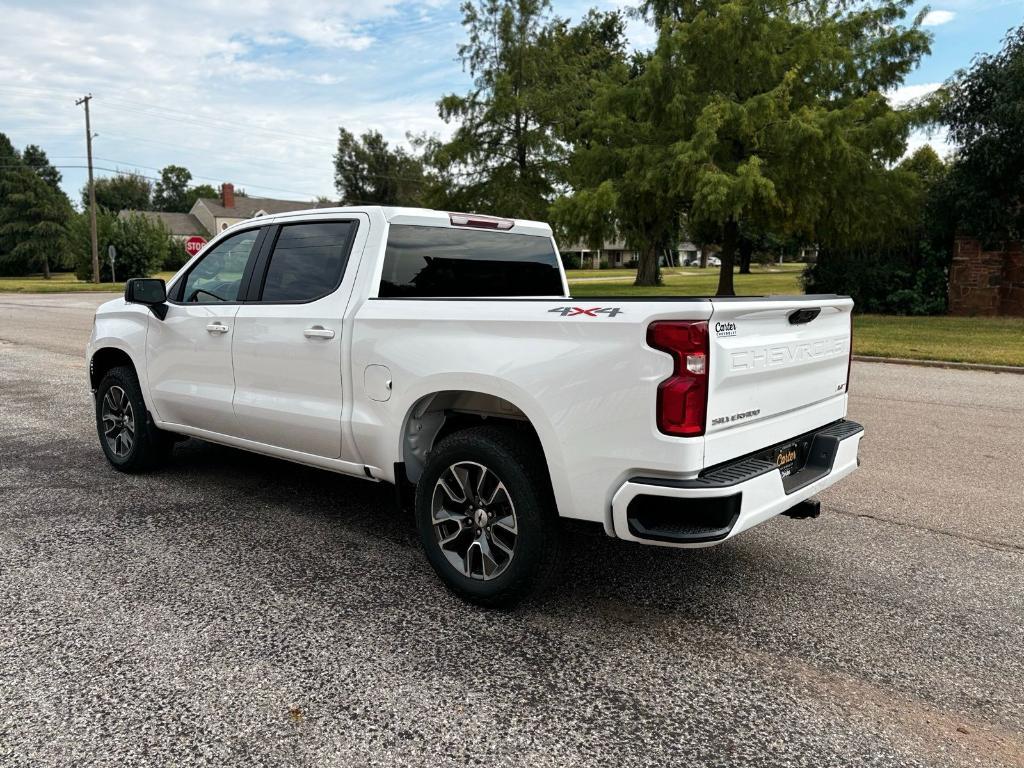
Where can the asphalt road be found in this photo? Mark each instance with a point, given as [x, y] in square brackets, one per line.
[237, 610]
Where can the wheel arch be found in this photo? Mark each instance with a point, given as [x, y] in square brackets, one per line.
[105, 358]
[435, 415]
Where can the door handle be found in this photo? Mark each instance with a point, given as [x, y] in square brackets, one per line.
[217, 328]
[318, 332]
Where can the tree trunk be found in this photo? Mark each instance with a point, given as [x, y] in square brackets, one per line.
[746, 251]
[46, 268]
[647, 272]
[728, 257]
[703, 255]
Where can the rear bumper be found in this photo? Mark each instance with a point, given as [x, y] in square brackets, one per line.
[734, 496]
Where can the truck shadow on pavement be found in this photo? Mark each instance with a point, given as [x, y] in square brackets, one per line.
[594, 568]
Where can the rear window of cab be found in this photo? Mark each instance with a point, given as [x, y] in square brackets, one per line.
[441, 262]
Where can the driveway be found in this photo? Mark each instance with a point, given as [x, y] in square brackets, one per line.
[238, 610]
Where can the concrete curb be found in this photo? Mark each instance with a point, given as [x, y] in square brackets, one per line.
[941, 364]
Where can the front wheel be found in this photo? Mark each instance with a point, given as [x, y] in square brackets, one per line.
[130, 441]
[485, 515]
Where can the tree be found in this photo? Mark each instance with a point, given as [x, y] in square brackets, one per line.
[10, 165]
[35, 158]
[171, 192]
[767, 113]
[503, 157]
[125, 191]
[902, 266]
[205, 191]
[367, 170]
[34, 212]
[983, 109]
[35, 222]
[143, 245]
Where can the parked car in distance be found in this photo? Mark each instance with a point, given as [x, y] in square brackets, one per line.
[443, 353]
[694, 261]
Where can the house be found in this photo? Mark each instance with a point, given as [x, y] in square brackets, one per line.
[616, 254]
[212, 215]
[219, 214]
[181, 225]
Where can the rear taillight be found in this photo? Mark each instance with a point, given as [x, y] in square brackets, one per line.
[683, 397]
[849, 361]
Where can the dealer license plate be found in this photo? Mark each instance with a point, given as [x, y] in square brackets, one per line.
[787, 458]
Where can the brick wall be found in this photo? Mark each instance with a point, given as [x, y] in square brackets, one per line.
[986, 282]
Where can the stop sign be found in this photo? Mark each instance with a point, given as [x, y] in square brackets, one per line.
[194, 245]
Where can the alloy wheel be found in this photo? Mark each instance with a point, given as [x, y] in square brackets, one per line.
[474, 520]
[118, 420]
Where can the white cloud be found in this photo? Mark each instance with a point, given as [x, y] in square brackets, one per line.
[938, 140]
[907, 93]
[936, 18]
[253, 97]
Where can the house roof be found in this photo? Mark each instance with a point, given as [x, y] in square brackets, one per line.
[176, 223]
[247, 207]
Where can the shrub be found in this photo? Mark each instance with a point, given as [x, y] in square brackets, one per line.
[910, 281]
[142, 245]
[176, 256]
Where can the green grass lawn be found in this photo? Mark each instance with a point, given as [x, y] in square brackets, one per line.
[61, 282]
[628, 275]
[991, 340]
[687, 281]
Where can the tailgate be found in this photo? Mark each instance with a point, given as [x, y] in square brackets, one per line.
[773, 360]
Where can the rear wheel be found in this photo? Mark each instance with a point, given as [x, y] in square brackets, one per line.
[486, 516]
[130, 441]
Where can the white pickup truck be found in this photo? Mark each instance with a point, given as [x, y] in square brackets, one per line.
[443, 353]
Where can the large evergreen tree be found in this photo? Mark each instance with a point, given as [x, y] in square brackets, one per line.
[533, 75]
[368, 170]
[35, 158]
[500, 157]
[34, 211]
[10, 166]
[984, 110]
[766, 113]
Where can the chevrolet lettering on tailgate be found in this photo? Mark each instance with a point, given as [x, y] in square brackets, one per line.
[781, 354]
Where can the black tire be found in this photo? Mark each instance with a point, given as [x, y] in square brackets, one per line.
[149, 446]
[514, 459]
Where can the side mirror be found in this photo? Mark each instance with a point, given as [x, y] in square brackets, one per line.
[150, 291]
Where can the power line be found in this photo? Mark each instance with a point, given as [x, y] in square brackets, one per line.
[207, 122]
[152, 110]
[242, 184]
[164, 113]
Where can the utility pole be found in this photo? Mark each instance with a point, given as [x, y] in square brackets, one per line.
[92, 191]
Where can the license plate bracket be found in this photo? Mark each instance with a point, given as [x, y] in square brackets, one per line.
[787, 458]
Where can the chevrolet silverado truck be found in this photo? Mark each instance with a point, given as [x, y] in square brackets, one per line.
[443, 353]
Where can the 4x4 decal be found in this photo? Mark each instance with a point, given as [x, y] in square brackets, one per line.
[587, 312]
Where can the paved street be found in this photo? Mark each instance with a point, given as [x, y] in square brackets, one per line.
[237, 610]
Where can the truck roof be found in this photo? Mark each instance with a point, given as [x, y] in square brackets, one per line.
[423, 217]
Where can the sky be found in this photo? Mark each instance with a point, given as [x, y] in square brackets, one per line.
[253, 93]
